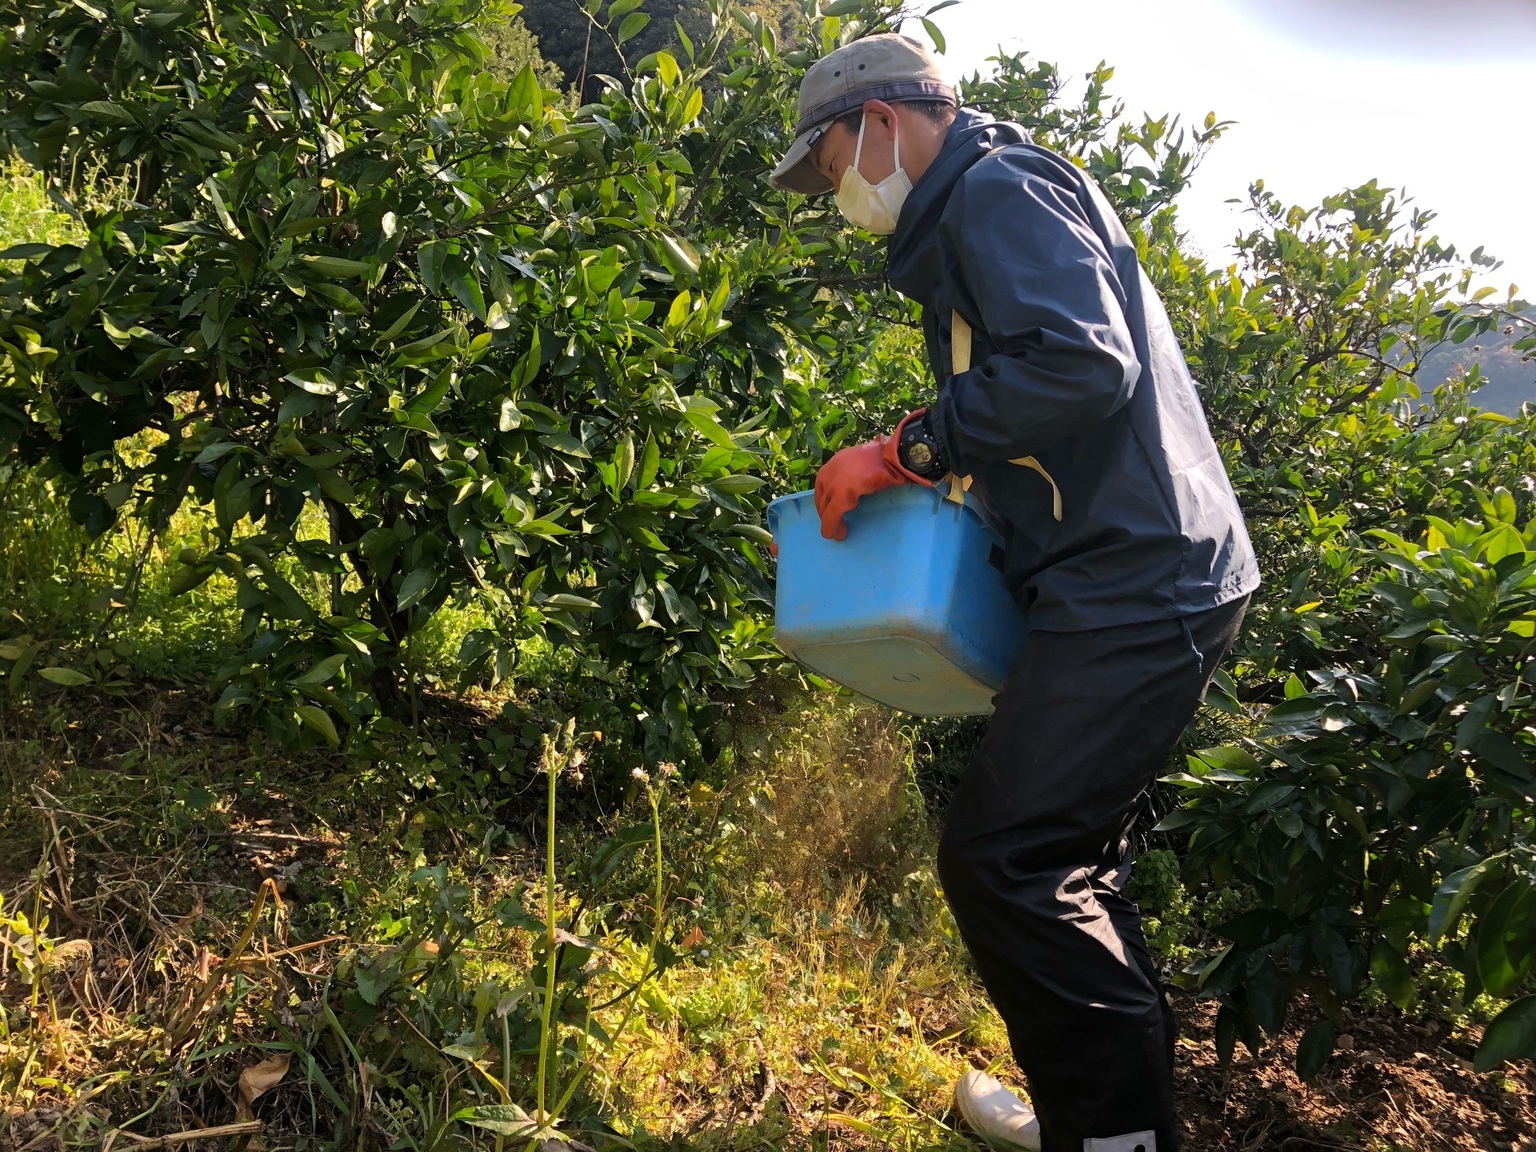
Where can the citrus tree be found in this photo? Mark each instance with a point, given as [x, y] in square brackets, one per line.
[424, 332]
[1380, 818]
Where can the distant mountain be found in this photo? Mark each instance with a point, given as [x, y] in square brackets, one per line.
[1511, 378]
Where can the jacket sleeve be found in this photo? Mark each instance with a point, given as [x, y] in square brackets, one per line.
[1050, 307]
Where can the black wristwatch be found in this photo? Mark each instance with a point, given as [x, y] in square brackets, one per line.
[919, 452]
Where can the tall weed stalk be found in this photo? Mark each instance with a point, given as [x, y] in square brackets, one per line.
[546, 1118]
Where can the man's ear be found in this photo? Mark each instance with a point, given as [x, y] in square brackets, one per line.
[883, 113]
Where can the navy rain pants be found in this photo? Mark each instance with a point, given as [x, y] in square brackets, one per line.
[1035, 856]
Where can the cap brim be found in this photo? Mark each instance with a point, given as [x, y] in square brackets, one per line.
[795, 172]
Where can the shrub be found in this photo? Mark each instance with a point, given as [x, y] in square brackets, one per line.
[1389, 804]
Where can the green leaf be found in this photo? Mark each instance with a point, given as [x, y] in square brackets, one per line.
[1178, 818]
[1417, 696]
[14, 649]
[566, 443]
[1269, 795]
[318, 720]
[670, 600]
[624, 461]
[323, 670]
[633, 23]
[335, 485]
[67, 677]
[525, 95]
[190, 576]
[1510, 1036]
[211, 186]
[317, 381]
[650, 461]
[528, 364]
[1315, 1049]
[370, 983]
[934, 34]
[1294, 716]
[737, 485]
[1267, 996]
[570, 601]
[427, 400]
[700, 411]
[1392, 975]
[461, 281]
[1502, 961]
[1334, 958]
[1221, 694]
[667, 68]
[611, 853]
[429, 260]
[336, 266]
[1255, 928]
[679, 254]
[1452, 896]
[1226, 1034]
[680, 312]
[501, 1119]
[417, 584]
[1229, 759]
[108, 112]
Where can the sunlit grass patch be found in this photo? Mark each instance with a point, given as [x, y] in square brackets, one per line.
[27, 215]
[827, 1023]
[824, 998]
[112, 596]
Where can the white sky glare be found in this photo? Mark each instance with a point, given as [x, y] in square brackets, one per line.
[1436, 99]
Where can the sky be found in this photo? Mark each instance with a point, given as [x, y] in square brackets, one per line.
[1435, 98]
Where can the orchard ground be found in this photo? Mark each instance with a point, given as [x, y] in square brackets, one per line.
[820, 998]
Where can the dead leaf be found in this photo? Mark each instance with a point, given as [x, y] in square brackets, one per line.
[693, 939]
[260, 1078]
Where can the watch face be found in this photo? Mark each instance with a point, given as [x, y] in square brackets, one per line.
[920, 455]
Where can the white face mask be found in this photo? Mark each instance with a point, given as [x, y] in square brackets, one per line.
[873, 207]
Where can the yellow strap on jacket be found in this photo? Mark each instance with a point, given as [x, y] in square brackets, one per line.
[960, 361]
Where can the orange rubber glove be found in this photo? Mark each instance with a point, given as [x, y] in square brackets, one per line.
[856, 472]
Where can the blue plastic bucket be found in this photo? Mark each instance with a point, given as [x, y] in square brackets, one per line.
[911, 610]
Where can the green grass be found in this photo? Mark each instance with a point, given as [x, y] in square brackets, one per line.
[818, 991]
[105, 604]
[27, 215]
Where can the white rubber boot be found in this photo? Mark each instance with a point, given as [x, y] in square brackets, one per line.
[995, 1115]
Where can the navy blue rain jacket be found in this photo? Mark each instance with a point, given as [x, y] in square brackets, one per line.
[1073, 363]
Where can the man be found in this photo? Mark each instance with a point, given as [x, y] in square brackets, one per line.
[1065, 405]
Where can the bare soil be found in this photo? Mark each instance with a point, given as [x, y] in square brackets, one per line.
[1395, 1084]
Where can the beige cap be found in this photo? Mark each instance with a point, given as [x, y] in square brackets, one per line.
[887, 67]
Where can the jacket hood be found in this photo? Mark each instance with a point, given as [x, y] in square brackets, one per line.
[911, 265]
